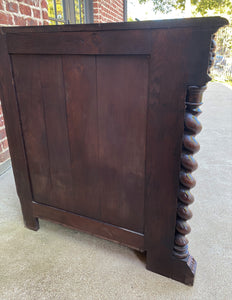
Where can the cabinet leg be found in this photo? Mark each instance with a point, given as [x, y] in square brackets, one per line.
[31, 222]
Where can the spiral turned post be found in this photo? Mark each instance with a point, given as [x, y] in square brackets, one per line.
[188, 164]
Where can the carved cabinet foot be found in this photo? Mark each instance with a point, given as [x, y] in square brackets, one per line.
[185, 270]
[182, 270]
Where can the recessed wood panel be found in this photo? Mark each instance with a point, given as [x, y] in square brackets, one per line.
[122, 96]
[30, 101]
[82, 118]
[84, 122]
[105, 95]
[55, 119]
[42, 107]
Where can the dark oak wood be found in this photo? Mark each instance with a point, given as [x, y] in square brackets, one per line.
[107, 231]
[30, 105]
[80, 81]
[101, 121]
[15, 136]
[122, 98]
[137, 42]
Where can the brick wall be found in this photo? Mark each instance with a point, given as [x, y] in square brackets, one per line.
[23, 13]
[108, 11]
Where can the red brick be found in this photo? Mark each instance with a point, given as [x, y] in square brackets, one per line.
[20, 21]
[5, 144]
[2, 134]
[31, 22]
[36, 13]
[45, 22]
[5, 18]
[1, 4]
[109, 11]
[1, 121]
[25, 10]
[12, 7]
[45, 15]
[30, 2]
[4, 156]
[44, 4]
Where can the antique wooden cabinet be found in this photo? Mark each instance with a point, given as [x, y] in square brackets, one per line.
[101, 121]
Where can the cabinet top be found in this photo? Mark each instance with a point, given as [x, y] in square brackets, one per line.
[197, 23]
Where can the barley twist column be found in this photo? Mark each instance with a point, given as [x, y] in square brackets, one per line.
[188, 163]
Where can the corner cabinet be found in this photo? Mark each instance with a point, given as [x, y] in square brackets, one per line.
[101, 121]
